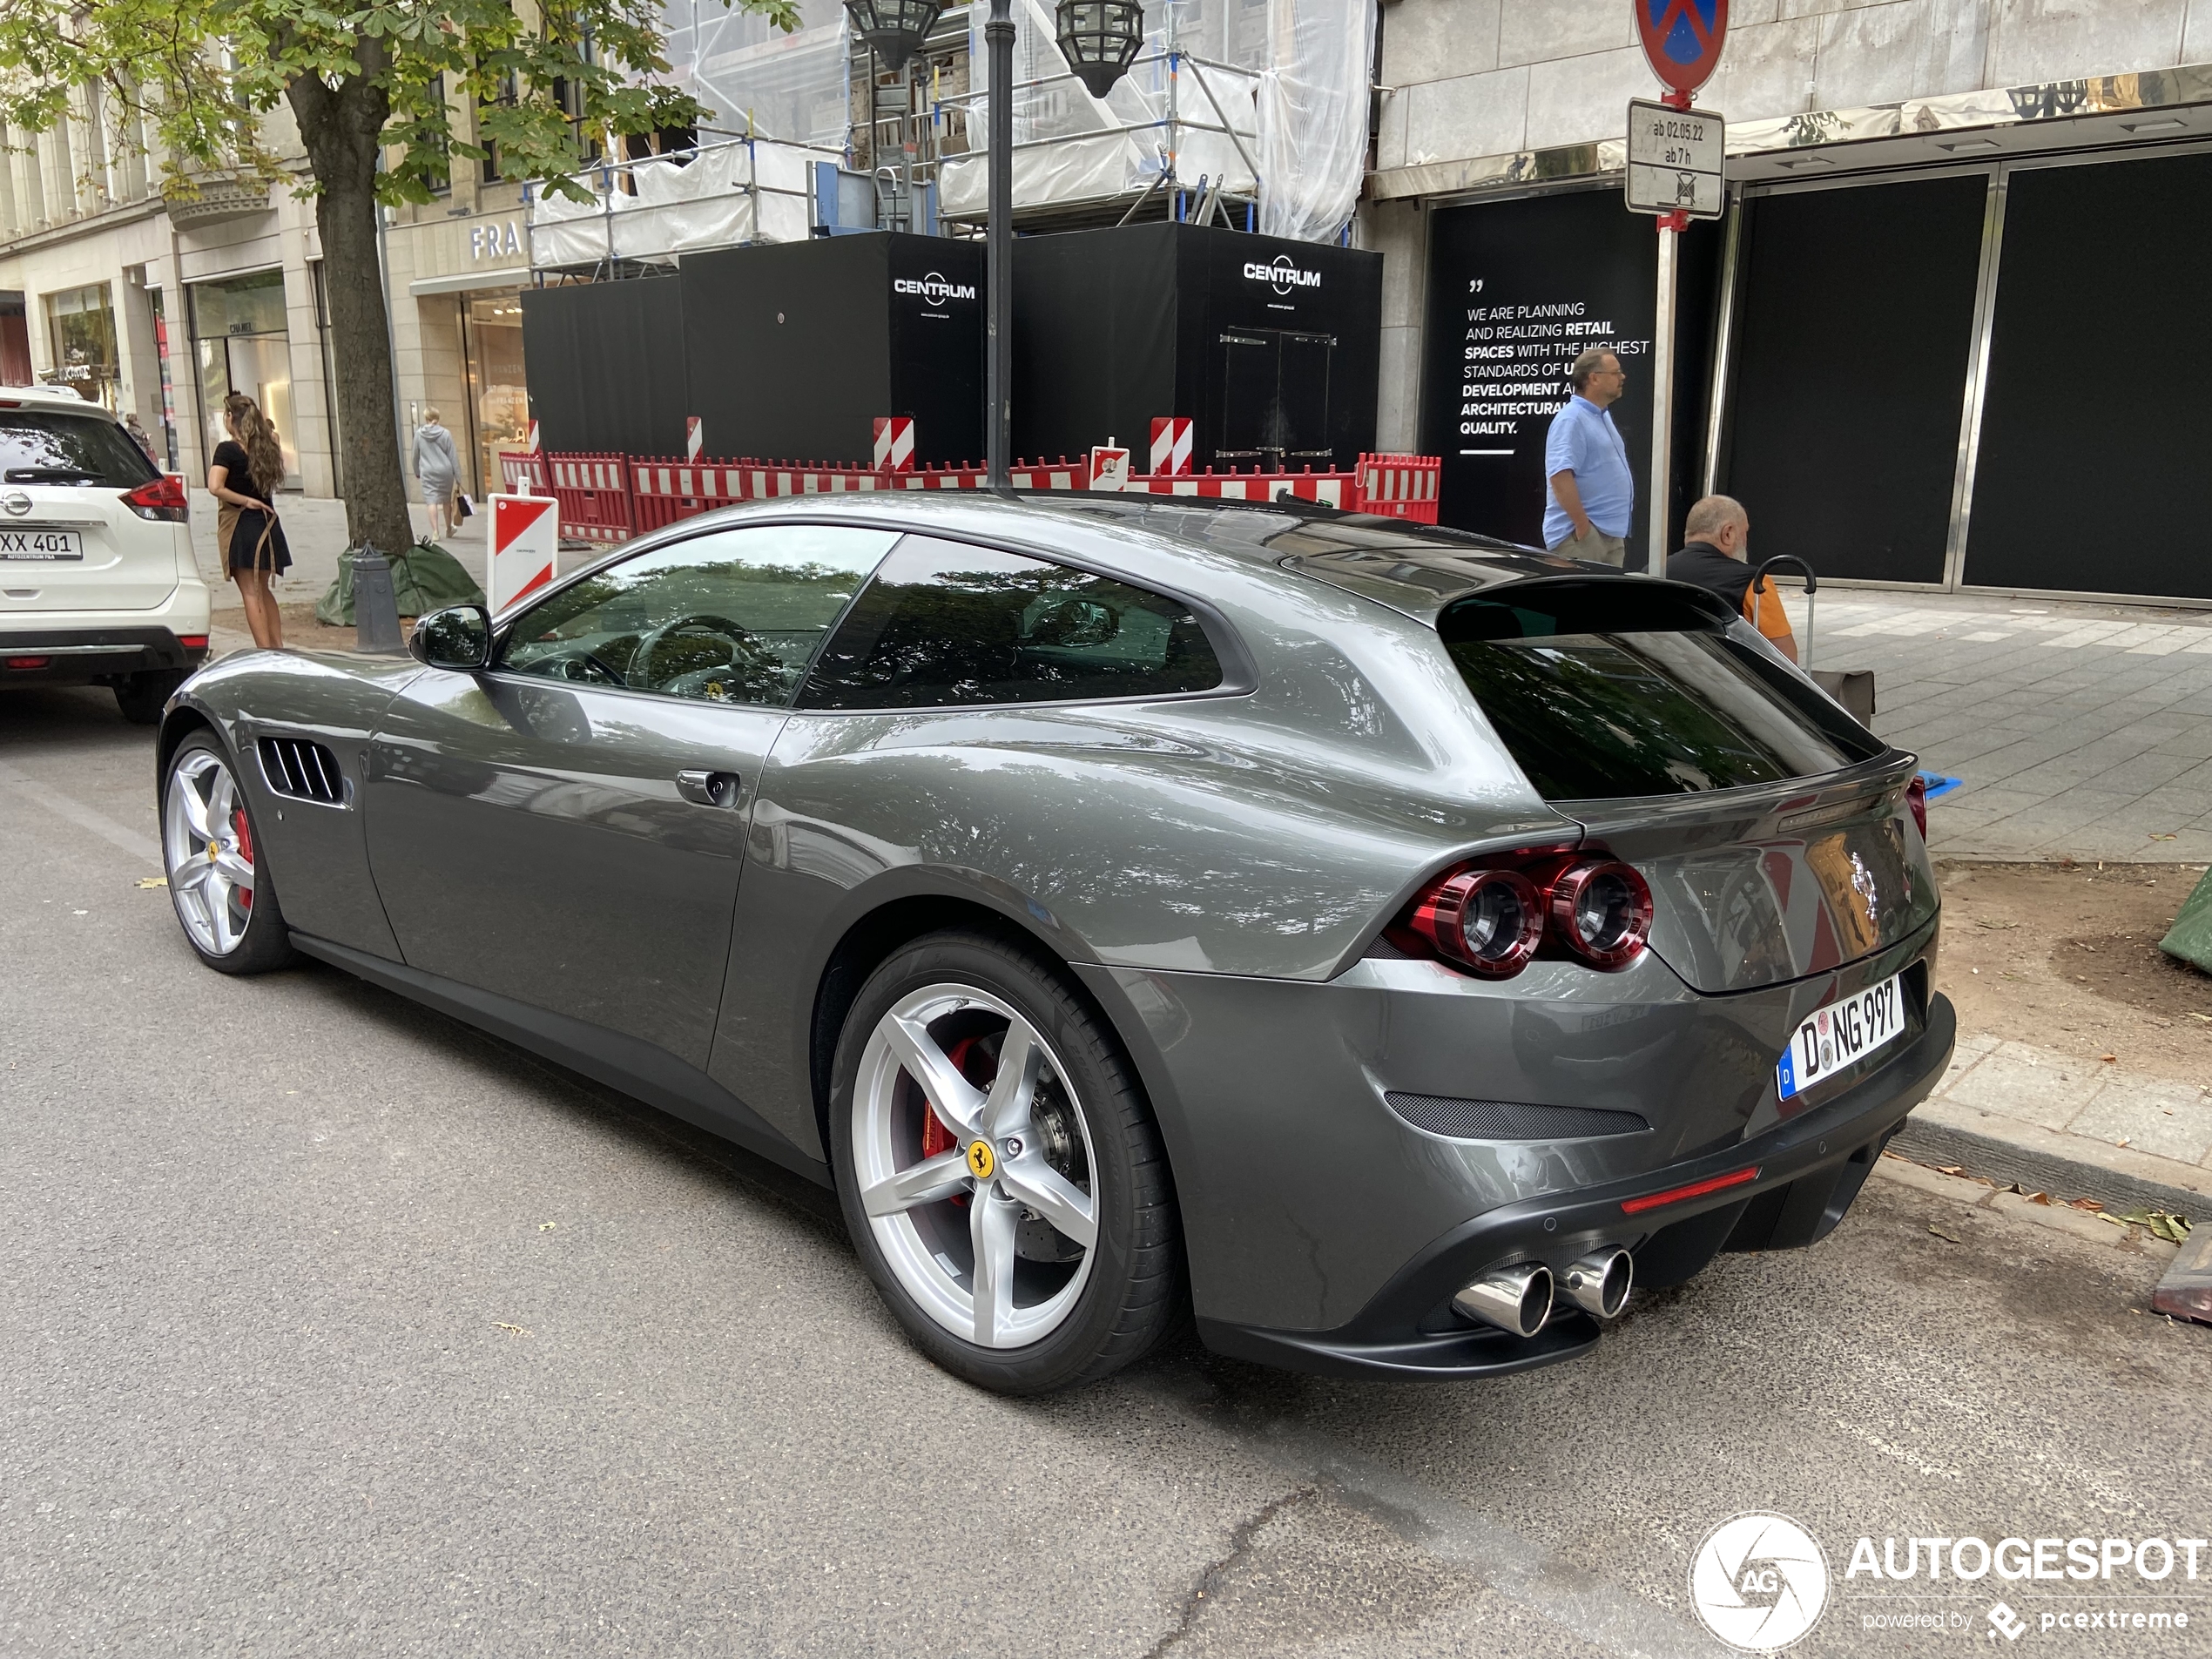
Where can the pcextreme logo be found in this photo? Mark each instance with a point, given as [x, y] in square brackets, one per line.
[1282, 275]
[934, 288]
[1759, 1583]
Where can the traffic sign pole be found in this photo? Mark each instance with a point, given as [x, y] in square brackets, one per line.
[1674, 170]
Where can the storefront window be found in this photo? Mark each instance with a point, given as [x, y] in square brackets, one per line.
[244, 346]
[80, 330]
[499, 407]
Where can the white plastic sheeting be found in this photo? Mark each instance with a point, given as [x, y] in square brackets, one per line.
[1313, 99]
[723, 195]
[792, 88]
[1288, 78]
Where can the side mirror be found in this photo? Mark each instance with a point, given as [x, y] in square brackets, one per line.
[459, 637]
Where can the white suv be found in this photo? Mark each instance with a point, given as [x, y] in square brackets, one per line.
[97, 581]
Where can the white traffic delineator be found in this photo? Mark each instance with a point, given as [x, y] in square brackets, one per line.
[524, 535]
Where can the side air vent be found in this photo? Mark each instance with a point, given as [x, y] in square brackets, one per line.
[303, 770]
[1503, 1120]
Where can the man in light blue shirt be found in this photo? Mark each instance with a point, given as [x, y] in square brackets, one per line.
[1589, 494]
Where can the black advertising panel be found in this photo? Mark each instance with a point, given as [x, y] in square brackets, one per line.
[1094, 339]
[2088, 480]
[1852, 336]
[1271, 347]
[1515, 290]
[605, 362]
[936, 334]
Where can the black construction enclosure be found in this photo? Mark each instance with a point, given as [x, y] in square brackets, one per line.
[1852, 342]
[789, 351]
[1271, 347]
[2089, 479]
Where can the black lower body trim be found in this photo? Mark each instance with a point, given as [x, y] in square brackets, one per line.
[1809, 1169]
[651, 1073]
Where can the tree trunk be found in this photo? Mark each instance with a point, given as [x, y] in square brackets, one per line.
[339, 127]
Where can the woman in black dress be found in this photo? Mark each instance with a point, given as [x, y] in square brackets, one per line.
[243, 476]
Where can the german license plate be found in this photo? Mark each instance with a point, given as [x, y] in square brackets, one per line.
[29, 544]
[1832, 1037]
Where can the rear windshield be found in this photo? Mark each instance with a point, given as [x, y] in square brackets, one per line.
[1611, 688]
[54, 446]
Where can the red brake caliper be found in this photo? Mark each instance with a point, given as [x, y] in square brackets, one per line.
[935, 1137]
[245, 850]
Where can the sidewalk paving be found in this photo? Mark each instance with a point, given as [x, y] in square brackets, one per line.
[2079, 731]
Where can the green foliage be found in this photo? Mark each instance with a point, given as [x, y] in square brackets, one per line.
[202, 74]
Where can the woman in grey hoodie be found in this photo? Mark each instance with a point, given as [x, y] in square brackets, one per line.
[437, 468]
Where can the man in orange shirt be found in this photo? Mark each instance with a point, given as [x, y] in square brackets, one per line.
[1717, 535]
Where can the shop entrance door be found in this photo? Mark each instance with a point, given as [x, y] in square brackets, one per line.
[1274, 399]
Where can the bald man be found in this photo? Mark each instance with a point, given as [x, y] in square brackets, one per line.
[1717, 537]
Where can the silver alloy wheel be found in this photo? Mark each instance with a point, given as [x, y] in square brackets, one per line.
[208, 852]
[972, 1230]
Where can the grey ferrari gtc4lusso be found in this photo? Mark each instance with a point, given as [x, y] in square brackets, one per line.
[1386, 944]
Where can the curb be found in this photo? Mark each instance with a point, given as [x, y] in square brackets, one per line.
[2041, 1160]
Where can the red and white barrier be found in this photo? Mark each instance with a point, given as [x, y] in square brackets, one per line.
[522, 547]
[594, 493]
[894, 443]
[694, 436]
[1400, 486]
[1109, 467]
[1171, 445]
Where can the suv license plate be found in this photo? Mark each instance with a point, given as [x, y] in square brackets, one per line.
[1832, 1037]
[32, 544]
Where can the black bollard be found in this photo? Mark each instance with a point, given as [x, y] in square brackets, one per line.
[377, 610]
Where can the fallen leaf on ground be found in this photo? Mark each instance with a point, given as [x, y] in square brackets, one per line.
[145, 882]
[1952, 1168]
[514, 1330]
[547, 1226]
[1984, 921]
[2161, 838]
[1940, 1233]
[2108, 1057]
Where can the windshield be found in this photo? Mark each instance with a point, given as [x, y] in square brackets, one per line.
[56, 447]
[1630, 693]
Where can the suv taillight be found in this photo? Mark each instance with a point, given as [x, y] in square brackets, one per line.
[163, 498]
[1496, 917]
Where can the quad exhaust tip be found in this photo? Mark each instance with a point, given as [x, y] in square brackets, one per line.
[1599, 1284]
[1517, 1298]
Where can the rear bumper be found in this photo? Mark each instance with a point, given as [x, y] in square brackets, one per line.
[79, 656]
[1808, 1170]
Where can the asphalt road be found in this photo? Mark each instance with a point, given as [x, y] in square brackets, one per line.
[328, 1326]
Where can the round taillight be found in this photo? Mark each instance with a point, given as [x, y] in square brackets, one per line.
[1487, 922]
[1601, 911]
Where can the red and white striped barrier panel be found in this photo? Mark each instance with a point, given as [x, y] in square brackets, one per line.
[1171, 445]
[523, 548]
[594, 493]
[694, 436]
[1400, 486]
[1328, 489]
[894, 443]
[664, 490]
[523, 472]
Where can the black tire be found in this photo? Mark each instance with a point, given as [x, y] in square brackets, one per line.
[1135, 1293]
[265, 942]
[141, 695]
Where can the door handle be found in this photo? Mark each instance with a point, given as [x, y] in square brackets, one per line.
[710, 788]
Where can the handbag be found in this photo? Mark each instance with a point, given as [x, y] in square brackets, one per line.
[463, 507]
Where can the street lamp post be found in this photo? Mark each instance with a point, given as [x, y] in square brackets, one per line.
[998, 256]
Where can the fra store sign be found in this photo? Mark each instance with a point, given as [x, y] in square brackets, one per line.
[501, 241]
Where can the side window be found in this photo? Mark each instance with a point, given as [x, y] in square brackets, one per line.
[733, 616]
[944, 624]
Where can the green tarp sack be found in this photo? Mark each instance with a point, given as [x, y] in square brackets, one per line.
[2190, 937]
[424, 579]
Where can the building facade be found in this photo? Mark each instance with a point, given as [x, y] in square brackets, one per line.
[1960, 233]
[159, 307]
